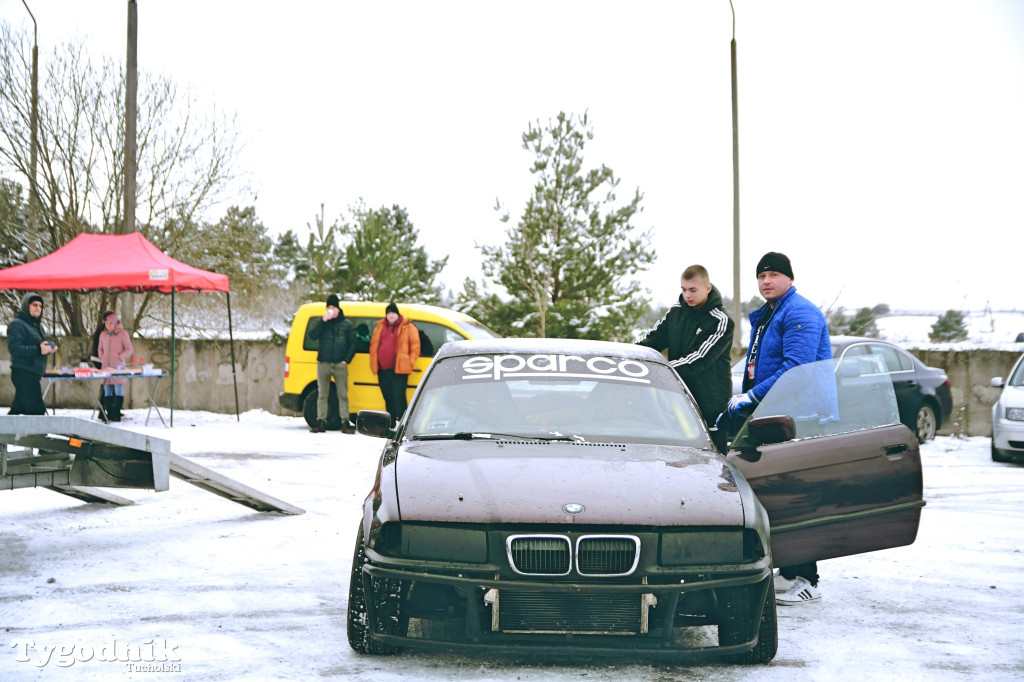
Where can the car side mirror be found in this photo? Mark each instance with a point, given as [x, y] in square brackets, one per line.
[374, 423]
[773, 429]
[997, 382]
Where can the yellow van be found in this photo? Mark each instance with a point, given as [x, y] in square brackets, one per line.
[436, 325]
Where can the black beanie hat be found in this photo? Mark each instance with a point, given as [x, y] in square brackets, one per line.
[332, 299]
[392, 308]
[777, 262]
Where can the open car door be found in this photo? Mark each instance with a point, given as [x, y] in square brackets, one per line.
[827, 456]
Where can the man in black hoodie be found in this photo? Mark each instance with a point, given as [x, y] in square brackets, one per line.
[27, 344]
[698, 335]
[337, 347]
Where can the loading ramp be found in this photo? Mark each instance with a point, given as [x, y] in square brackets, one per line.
[79, 458]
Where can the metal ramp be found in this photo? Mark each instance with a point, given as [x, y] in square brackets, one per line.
[79, 457]
[218, 484]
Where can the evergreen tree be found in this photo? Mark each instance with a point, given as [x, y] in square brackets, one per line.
[290, 256]
[566, 262]
[323, 258]
[238, 246]
[863, 324]
[951, 326]
[384, 260]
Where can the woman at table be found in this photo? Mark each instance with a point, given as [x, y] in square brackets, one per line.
[114, 349]
[101, 327]
[27, 344]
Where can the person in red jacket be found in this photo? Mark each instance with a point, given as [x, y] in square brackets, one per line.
[394, 349]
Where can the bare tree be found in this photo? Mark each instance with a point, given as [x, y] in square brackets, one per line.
[186, 158]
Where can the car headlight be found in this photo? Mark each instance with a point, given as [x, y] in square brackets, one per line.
[1015, 414]
[433, 543]
[697, 547]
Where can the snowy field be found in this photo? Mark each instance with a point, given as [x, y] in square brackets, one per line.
[240, 595]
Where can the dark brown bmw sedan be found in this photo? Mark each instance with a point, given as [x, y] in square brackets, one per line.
[551, 496]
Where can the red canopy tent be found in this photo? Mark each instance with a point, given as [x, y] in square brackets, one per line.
[119, 262]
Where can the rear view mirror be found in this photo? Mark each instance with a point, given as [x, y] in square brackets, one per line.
[374, 423]
[769, 430]
[997, 382]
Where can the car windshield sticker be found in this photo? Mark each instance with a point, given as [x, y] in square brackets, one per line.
[501, 367]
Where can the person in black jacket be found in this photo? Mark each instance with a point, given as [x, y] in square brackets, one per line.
[697, 333]
[337, 347]
[27, 344]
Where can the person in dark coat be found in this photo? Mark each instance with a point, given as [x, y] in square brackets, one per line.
[787, 331]
[27, 344]
[337, 347]
[697, 333]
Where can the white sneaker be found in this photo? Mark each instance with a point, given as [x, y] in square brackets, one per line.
[782, 584]
[802, 592]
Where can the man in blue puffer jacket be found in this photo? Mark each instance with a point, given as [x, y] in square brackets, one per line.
[785, 332]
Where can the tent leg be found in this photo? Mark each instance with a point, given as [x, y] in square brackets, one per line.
[231, 336]
[173, 354]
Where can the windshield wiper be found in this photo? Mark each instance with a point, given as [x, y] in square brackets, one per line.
[486, 435]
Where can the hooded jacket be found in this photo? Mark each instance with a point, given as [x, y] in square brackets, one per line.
[407, 345]
[24, 334]
[698, 342]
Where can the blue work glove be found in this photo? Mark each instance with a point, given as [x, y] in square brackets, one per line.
[736, 404]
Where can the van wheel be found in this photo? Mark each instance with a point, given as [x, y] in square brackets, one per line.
[309, 409]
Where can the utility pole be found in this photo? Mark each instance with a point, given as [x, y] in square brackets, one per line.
[33, 192]
[737, 303]
[131, 91]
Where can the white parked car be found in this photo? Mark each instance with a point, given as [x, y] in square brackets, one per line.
[1008, 417]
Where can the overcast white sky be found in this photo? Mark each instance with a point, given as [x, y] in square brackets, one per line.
[881, 144]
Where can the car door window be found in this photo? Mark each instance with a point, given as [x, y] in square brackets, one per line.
[894, 360]
[830, 397]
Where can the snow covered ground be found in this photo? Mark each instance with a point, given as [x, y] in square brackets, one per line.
[240, 595]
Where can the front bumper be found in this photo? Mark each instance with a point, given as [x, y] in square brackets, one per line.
[290, 401]
[659, 617]
[1008, 438]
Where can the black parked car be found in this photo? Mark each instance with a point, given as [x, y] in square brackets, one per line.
[554, 496]
[922, 392]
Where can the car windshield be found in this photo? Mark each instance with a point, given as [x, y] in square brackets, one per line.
[1018, 374]
[476, 330]
[829, 397]
[555, 397]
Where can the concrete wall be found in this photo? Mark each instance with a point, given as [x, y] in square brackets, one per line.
[970, 372]
[204, 378]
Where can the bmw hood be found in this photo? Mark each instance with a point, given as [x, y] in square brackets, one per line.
[544, 483]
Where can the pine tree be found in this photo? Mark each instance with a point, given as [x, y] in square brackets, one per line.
[951, 326]
[863, 324]
[384, 260]
[566, 263]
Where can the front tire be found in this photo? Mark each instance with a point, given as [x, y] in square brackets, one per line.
[926, 423]
[736, 609]
[996, 455]
[387, 596]
[309, 408]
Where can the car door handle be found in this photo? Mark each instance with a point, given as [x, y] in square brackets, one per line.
[891, 450]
